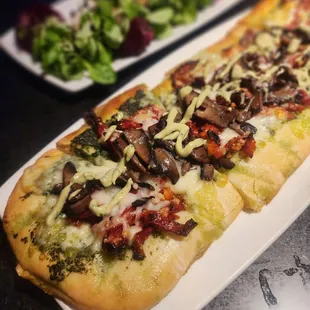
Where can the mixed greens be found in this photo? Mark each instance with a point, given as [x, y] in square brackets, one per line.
[105, 30]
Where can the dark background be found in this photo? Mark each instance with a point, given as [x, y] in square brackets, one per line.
[33, 113]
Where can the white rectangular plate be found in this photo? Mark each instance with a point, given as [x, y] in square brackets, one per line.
[7, 41]
[245, 239]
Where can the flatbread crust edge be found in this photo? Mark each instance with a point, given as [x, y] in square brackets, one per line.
[23, 201]
[124, 284]
[228, 45]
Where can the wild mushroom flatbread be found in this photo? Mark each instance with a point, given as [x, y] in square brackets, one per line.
[116, 215]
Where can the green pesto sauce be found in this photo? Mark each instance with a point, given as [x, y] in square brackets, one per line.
[24, 220]
[301, 127]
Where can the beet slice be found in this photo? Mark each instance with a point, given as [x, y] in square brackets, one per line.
[29, 19]
[139, 36]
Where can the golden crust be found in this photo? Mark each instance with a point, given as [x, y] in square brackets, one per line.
[259, 179]
[125, 284]
[105, 111]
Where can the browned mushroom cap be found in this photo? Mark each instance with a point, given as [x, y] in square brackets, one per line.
[166, 165]
[78, 206]
[257, 101]
[118, 147]
[207, 172]
[200, 154]
[139, 139]
[166, 144]
[185, 167]
[188, 98]
[216, 114]
[67, 173]
[243, 116]
[226, 163]
[156, 128]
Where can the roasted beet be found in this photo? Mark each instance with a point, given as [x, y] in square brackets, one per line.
[27, 21]
[139, 36]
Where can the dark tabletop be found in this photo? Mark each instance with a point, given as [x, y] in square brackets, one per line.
[33, 113]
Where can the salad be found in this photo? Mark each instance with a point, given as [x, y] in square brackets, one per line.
[99, 32]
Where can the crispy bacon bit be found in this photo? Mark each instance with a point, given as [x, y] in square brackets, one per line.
[294, 107]
[159, 222]
[205, 128]
[129, 216]
[193, 128]
[215, 150]
[95, 123]
[141, 202]
[138, 241]
[249, 147]
[128, 124]
[168, 193]
[182, 75]
[247, 38]
[114, 240]
[304, 98]
[235, 144]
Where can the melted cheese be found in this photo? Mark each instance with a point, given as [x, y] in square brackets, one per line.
[227, 135]
[192, 177]
[105, 209]
[77, 237]
[264, 124]
[266, 41]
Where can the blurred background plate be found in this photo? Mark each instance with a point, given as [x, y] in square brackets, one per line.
[66, 7]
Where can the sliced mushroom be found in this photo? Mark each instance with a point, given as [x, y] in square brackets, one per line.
[141, 202]
[146, 185]
[156, 128]
[139, 139]
[243, 116]
[226, 163]
[207, 172]
[200, 154]
[257, 101]
[166, 165]
[189, 98]
[199, 82]
[247, 127]
[283, 77]
[237, 128]
[56, 190]
[118, 147]
[67, 174]
[185, 167]
[216, 114]
[78, 207]
[166, 144]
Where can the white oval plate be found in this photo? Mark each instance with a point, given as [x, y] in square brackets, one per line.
[8, 44]
[247, 237]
